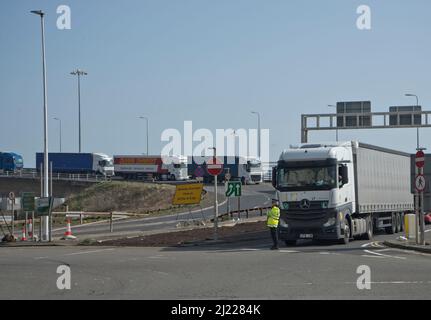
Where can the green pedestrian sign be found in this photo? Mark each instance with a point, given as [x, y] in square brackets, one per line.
[233, 189]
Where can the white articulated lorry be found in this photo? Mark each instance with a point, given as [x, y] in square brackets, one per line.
[341, 191]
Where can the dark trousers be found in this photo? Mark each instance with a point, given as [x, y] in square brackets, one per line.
[274, 236]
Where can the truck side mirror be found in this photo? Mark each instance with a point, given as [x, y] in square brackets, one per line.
[344, 173]
[274, 177]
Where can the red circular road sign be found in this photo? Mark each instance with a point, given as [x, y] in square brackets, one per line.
[420, 159]
[214, 166]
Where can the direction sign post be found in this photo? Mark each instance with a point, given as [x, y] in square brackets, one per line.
[214, 168]
[12, 199]
[227, 177]
[420, 185]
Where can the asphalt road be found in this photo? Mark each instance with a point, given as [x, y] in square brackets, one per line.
[244, 270]
[253, 196]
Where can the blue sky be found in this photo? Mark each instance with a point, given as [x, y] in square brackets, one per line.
[211, 62]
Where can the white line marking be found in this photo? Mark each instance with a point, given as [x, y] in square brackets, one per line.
[383, 250]
[384, 255]
[369, 256]
[394, 282]
[366, 245]
[87, 252]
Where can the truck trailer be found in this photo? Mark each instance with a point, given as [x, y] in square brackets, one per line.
[93, 163]
[141, 167]
[341, 191]
[246, 170]
[11, 162]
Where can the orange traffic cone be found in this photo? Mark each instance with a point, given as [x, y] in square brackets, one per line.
[24, 237]
[69, 229]
[68, 234]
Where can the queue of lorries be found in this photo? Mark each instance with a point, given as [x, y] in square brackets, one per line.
[140, 167]
[326, 191]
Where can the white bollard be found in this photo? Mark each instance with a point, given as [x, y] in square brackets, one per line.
[410, 226]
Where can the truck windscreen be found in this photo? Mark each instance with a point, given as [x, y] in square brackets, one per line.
[303, 178]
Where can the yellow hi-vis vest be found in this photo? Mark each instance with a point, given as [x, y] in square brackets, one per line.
[273, 217]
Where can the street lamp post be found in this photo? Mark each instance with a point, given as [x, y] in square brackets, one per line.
[258, 132]
[146, 119]
[59, 120]
[79, 73]
[336, 124]
[45, 221]
[417, 129]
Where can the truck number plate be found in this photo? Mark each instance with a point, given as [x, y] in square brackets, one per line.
[306, 236]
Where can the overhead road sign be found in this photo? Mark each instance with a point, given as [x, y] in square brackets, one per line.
[359, 120]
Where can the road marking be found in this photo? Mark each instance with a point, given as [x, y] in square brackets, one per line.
[383, 250]
[254, 249]
[394, 282]
[369, 256]
[384, 255]
[87, 252]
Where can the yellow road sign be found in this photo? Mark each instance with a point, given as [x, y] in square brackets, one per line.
[188, 194]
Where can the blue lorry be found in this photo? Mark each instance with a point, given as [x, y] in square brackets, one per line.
[78, 163]
[246, 170]
[11, 162]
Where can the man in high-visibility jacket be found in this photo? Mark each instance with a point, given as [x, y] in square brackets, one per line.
[272, 221]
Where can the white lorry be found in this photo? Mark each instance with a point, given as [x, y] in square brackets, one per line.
[138, 167]
[341, 191]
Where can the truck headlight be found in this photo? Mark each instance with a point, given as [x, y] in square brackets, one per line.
[331, 222]
[283, 224]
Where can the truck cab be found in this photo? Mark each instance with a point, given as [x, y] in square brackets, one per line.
[253, 171]
[177, 168]
[11, 162]
[103, 164]
[315, 189]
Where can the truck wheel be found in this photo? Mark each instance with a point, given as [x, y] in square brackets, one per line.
[290, 243]
[370, 233]
[393, 227]
[346, 238]
[401, 222]
[398, 226]
[172, 177]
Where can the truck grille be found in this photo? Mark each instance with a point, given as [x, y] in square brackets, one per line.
[296, 205]
[256, 178]
[306, 216]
